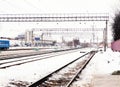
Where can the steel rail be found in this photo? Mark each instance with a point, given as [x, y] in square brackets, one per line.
[13, 56]
[29, 60]
[25, 49]
[36, 84]
[80, 70]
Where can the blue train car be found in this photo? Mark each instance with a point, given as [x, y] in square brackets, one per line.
[4, 44]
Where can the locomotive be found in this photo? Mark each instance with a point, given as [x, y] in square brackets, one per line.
[4, 44]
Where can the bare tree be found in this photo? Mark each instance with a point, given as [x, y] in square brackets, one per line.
[116, 27]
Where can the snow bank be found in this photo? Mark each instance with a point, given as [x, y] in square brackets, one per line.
[103, 63]
[106, 62]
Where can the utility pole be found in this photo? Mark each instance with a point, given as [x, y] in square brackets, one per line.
[93, 35]
[32, 37]
[42, 38]
[105, 36]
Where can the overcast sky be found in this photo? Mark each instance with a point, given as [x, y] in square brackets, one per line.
[50, 6]
[57, 6]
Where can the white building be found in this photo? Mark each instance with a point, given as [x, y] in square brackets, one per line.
[29, 37]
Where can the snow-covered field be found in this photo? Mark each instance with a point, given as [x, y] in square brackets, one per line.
[106, 62]
[102, 63]
[33, 71]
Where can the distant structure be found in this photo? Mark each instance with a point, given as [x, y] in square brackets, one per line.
[35, 38]
[71, 17]
[29, 37]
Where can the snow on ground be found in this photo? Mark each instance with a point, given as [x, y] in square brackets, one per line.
[103, 63]
[106, 62]
[33, 71]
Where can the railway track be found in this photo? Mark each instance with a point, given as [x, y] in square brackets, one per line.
[27, 48]
[16, 53]
[65, 75]
[22, 60]
[13, 53]
[19, 55]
